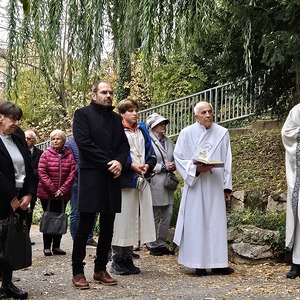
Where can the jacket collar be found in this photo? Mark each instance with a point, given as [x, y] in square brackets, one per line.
[100, 107]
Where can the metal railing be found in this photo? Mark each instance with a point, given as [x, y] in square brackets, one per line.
[232, 101]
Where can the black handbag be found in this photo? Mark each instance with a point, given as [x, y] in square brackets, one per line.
[171, 182]
[54, 222]
[18, 252]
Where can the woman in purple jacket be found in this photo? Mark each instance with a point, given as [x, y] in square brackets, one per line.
[56, 169]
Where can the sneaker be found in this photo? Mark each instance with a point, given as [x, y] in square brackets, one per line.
[166, 251]
[155, 251]
[134, 255]
[109, 255]
[92, 243]
[47, 252]
[118, 267]
[2, 294]
[131, 267]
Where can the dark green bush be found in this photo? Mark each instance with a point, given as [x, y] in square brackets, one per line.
[264, 220]
[177, 198]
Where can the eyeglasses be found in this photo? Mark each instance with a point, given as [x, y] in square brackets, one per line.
[13, 118]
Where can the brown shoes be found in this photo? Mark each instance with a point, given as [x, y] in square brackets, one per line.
[80, 282]
[104, 278]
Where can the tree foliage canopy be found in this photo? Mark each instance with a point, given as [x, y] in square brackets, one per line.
[182, 46]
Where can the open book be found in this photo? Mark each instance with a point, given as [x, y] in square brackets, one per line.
[214, 163]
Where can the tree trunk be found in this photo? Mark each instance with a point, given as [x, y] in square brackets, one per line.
[297, 69]
[124, 75]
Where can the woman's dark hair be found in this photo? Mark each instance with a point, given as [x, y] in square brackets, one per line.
[127, 104]
[8, 108]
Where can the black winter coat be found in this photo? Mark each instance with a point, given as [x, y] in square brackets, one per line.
[100, 137]
[35, 157]
[7, 176]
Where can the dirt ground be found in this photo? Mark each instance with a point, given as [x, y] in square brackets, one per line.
[160, 278]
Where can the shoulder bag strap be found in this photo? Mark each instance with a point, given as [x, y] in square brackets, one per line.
[159, 151]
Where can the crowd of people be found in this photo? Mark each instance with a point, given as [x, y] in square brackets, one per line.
[113, 171]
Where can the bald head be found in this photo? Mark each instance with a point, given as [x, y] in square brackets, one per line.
[204, 113]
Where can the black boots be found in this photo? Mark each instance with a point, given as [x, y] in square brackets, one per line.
[2, 295]
[294, 272]
[11, 291]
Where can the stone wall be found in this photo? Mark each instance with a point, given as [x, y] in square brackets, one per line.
[254, 200]
[249, 244]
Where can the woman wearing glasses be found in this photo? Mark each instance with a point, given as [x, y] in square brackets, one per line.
[16, 186]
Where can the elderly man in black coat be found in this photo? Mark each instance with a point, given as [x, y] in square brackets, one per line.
[36, 153]
[103, 150]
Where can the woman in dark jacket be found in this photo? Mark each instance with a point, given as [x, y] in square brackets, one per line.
[56, 169]
[16, 186]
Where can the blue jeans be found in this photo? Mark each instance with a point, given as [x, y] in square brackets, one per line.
[74, 214]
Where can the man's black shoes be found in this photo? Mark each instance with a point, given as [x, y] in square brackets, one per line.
[201, 272]
[222, 271]
[218, 271]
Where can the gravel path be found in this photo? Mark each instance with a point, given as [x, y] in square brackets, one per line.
[161, 278]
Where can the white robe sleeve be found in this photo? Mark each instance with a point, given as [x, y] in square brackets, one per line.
[183, 160]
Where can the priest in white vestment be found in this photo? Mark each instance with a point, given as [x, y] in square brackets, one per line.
[201, 229]
[291, 141]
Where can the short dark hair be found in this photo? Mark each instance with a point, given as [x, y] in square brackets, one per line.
[127, 104]
[96, 84]
[8, 108]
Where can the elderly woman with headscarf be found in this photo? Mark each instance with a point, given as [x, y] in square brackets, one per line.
[16, 186]
[162, 198]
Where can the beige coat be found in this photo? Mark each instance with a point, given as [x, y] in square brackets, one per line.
[160, 195]
[135, 223]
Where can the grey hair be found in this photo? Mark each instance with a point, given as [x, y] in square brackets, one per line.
[31, 132]
[60, 133]
[199, 104]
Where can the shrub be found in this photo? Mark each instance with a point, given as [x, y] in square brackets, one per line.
[177, 198]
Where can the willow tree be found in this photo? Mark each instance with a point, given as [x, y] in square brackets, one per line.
[61, 39]
[269, 34]
[68, 36]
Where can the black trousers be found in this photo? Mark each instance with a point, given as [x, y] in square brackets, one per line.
[30, 212]
[52, 239]
[86, 223]
[5, 269]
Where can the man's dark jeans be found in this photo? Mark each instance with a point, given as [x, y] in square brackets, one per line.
[86, 223]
